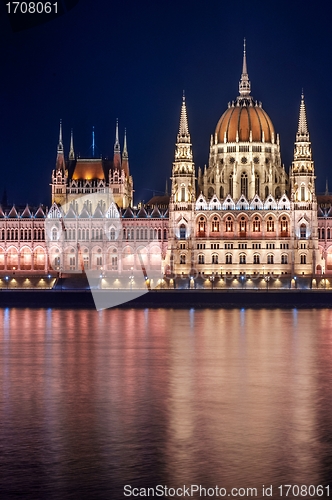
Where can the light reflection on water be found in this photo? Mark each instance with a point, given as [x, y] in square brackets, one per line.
[92, 401]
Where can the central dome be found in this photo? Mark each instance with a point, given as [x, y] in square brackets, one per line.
[244, 120]
[241, 118]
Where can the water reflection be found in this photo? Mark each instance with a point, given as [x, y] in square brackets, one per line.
[95, 400]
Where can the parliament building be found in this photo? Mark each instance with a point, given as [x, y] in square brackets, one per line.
[241, 219]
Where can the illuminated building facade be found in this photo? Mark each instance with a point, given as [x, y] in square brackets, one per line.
[247, 217]
[243, 215]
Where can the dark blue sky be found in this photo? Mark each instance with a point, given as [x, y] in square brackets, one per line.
[131, 59]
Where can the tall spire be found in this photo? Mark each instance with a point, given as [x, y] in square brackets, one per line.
[302, 131]
[244, 85]
[125, 161]
[60, 144]
[125, 151]
[117, 151]
[183, 144]
[60, 160]
[71, 150]
[302, 143]
[183, 129]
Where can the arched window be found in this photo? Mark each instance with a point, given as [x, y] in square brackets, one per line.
[256, 258]
[319, 235]
[266, 191]
[257, 184]
[54, 234]
[284, 259]
[277, 192]
[201, 259]
[159, 234]
[201, 226]
[228, 258]
[215, 258]
[303, 259]
[270, 225]
[242, 258]
[303, 231]
[182, 258]
[182, 232]
[221, 192]
[183, 193]
[328, 233]
[112, 233]
[114, 263]
[284, 226]
[243, 225]
[230, 185]
[256, 225]
[215, 224]
[229, 224]
[244, 184]
[270, 259]
[210, 192]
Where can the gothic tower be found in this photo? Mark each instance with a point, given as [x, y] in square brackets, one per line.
[182, 201]
[303, 197]
[60, 174]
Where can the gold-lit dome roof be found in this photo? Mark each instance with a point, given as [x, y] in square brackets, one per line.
[240, 119]
[244, 116]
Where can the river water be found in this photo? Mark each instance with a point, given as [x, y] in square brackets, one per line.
[92, 402]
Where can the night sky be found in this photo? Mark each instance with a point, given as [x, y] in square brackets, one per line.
[131, 60]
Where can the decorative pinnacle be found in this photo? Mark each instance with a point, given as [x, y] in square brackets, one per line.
[244, 85]
[125, 151]
[60, 145]
[302, 131]
[117, 144]
[183, 129]
[244, 66]
[71, 150]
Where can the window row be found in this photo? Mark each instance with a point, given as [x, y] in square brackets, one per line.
[322, 233]
[243, 259]
[257, 225]
[22, 234]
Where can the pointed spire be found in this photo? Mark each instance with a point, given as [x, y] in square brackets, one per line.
[244, 85]
[60, 144]
[183, 144]
[117, 152]
[125, 162]
[117, 143]
[327, 187]
[183, 129]
[71, 150]
[244, 65]
[60, 160]
[302, 131]
[125, 152]
[166, 188]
